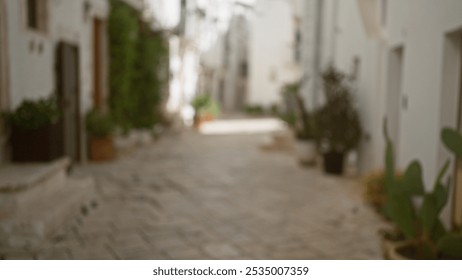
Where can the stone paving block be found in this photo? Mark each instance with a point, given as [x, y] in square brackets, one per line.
[221, 251]
[90, 251]
[205, 197]
[188, 253]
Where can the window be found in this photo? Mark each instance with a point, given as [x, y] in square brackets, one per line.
[36, 12]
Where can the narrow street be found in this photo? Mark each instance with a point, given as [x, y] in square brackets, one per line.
[190, 196]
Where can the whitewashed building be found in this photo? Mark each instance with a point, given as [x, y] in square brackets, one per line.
[406, 58]
[272, 51]
[38, 37]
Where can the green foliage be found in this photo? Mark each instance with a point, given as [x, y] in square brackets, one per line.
[99, 124]
[421, 224]
[138, 63]
[451, 245]
[374, 192]
[337, 122]
[304, 124]
[289, 117]
[256, 110]
[204, 105]
[123, 34]
[147, 80]
[453, 141]
[34, 114]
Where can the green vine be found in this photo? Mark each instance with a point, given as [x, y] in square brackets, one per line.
[138, 57]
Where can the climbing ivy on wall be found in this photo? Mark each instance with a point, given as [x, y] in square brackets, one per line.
[138, 57]
[148, 81]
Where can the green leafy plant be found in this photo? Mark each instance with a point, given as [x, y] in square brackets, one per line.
[422, 225]
[374, 189]
[303, 123]
[34, 114]
[138, 69]
[204, 105]
[256, 110]
[99, 124]
[337, 122]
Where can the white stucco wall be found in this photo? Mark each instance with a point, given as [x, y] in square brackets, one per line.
[237, 41]
[419, 27]
[271, 62]
[350, 42]
[32, 54]
[429, 86]
[421, 31]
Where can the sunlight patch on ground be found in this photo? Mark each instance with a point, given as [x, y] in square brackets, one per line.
[242, 126]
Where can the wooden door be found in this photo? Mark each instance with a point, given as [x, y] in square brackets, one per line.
[67, 77]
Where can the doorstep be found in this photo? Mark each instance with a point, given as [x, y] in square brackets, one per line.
[37, 199]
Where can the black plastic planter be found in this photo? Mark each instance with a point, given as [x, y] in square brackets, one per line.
[36, 145]
[333, 163]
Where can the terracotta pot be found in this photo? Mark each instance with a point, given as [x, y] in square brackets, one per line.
[101, 148]
[208, 117]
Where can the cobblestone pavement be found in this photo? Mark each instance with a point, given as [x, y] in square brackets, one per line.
[190, 196]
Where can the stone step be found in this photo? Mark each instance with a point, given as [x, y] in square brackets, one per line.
[34, 223]
[21, 184]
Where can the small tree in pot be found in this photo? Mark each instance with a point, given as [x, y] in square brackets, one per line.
[205, 109]
[100, 142]
[338, 125]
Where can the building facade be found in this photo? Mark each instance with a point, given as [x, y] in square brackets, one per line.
[272, 43]
[55, 48]
[405, 57]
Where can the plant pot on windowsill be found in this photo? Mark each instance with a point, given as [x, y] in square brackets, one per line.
[100, 140]
[35, 134]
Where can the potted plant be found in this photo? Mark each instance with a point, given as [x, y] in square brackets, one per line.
[34, 131]
[424, 236]
[301, 121]
[100, 141]
[205, 109]
[337, 122]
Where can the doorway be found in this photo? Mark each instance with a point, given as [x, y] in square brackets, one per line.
[395, 78]
[457, 201]
[67, 79]
[3, 78]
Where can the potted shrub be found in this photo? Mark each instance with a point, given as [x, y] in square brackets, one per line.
[100, 141]
[424, 236]
[337, 122]
[205, 109]
[34, 131]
